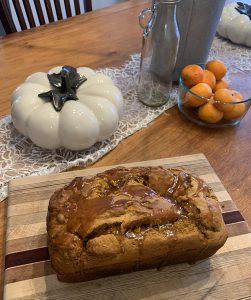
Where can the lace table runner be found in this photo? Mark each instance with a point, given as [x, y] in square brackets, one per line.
[19, 157]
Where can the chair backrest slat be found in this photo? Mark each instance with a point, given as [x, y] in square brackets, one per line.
[20, 15]
[67, 8]
[25, 13]
[88, 5]
[58, 9]
[29, 13]
[39, 12]
[77, 7]
[49, 10]
[6, 18]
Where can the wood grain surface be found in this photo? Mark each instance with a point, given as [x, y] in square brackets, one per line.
[106, 38]
[33, 278]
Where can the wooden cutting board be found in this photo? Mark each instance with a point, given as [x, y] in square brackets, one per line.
[28, 274]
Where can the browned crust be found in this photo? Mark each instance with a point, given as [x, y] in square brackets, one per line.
[129, 219]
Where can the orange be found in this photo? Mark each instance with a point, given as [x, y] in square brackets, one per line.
[237, 112]
[209, 78]
[201, 89]
[191, 75]
[221, 84]
[209, 113]
[236, 94]
[217, 67]
[223, 96]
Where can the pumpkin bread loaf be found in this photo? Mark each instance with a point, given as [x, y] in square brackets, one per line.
[129, 219]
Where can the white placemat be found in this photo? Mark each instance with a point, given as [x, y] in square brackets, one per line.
[19, 157]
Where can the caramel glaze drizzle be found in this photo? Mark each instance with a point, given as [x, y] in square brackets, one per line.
[82, 209]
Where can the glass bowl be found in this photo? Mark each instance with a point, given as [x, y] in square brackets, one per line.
[240, 81]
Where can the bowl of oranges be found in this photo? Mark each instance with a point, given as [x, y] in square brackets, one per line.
[213, 96]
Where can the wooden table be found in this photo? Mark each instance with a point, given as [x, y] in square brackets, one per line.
[106, 38]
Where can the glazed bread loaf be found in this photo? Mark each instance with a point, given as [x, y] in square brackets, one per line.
[129, 219]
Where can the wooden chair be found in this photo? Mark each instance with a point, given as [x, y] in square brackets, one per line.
[8, 23]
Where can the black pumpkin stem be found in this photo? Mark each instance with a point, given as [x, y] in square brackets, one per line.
[244, 9]
[66, 84]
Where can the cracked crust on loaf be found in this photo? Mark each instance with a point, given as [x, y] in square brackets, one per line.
[129, 219]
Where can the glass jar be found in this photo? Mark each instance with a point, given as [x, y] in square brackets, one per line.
[159, 52]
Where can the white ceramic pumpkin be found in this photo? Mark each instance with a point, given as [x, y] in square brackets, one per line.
[235, 26]
[80, 123]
